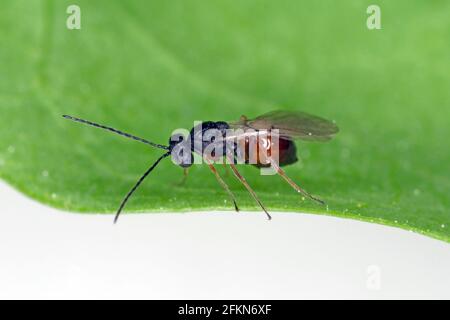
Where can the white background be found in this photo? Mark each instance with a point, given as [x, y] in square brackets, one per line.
[46, 253]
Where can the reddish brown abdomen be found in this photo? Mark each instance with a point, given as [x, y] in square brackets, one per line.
[286, 152]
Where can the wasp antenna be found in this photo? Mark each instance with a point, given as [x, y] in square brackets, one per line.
[125, 200]
[124, 134]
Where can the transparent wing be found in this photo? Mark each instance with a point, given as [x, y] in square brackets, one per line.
[291, 125]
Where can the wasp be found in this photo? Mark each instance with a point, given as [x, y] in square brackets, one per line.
[274, 133]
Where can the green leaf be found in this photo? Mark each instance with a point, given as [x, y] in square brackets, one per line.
[148, 67]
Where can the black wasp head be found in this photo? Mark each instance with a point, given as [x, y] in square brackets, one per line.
[180, 150]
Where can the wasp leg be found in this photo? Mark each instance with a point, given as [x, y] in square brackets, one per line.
[223, 184]
[183, 180]
[247, 186]
[227, 172]
[292, 183]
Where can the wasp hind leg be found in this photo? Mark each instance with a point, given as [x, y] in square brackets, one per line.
[293, 184]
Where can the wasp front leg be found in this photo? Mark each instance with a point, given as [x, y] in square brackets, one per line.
[183, 180]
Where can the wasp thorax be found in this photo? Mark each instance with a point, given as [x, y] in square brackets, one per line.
[180, 150]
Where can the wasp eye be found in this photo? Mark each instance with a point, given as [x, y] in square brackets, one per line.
[175, 139]
[180, 149]
[182, 155]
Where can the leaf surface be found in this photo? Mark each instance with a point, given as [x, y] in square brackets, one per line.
[149, 67]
